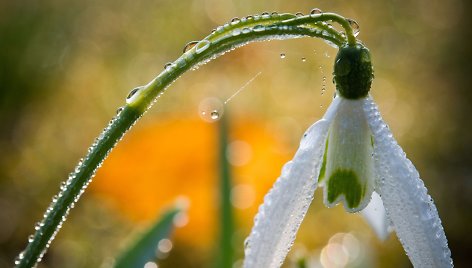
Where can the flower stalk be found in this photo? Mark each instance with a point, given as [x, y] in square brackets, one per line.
[225, 38]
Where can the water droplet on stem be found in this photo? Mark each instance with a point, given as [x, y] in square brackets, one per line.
[191, 44]
[132, 92]
[202, 46]
[235, 21]
[355, 26]
[316, 11]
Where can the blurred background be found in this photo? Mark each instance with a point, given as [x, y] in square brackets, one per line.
[66, 66]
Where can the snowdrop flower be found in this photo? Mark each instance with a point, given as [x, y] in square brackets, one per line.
[352, 154]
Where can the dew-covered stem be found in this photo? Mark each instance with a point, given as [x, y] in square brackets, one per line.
[72, 189]
[351, 39]
[225, 38]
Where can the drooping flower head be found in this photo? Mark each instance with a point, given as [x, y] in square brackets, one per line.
[352, 154]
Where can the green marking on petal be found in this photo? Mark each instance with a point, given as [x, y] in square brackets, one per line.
[323, 165]
[345, 182]
[372, 140]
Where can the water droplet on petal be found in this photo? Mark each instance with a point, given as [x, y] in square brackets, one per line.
[282, 55]
[249, 17]
[265, 15]
[355, 26]
[210, 109]
[316, 11]
[298, 14]
[191, 44]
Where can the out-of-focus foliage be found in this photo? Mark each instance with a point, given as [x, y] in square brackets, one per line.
[65, 67]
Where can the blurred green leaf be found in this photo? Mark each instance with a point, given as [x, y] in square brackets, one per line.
[144, 249]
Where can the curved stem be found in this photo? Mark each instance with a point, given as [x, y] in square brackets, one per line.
[325, 17]
[214, 45]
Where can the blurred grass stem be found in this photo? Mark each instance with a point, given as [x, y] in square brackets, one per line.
[225, 255]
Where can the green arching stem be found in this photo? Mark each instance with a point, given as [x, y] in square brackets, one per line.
[283, 26]
[190, 59]
[268, 19]
[351, 39]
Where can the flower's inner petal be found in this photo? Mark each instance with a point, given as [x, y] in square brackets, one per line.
[408, 205]
[376, 216]
[286, 204]
[347, 170]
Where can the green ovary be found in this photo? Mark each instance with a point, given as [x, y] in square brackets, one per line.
[345, 182]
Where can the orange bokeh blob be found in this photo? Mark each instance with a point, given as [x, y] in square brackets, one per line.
[156, 164]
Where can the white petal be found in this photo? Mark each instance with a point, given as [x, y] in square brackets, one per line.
[286, 204]
[409, 207]
[348, 176]
[376, 216]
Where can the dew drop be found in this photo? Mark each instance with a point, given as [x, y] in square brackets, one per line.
[38, 226]
[236, 32]
[274, 14]
[210, 109]
[323, 86]
[331, 44]
[132, 92]
[235, 21]
[249, 17]
[259, 28]
[303, 59]
[191, 44]
[316, 11]
[168, 66]
[214, 115]
[246, 30]
[282, 55]
[355, 26]
[265, 15]
[19, 258]
[202, 46]
[298, 14]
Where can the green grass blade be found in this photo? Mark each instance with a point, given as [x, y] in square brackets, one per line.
[144, 249]
[226, 254]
